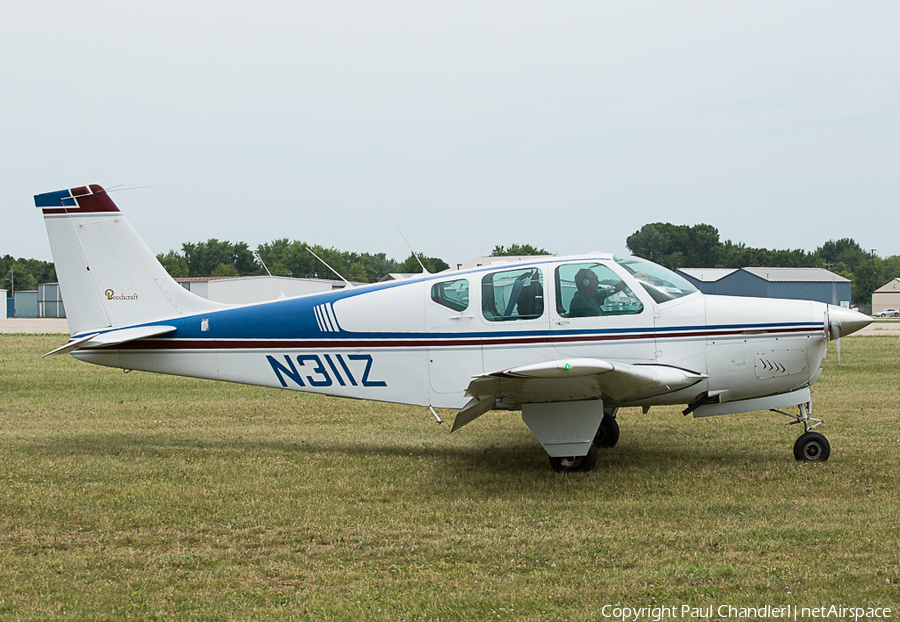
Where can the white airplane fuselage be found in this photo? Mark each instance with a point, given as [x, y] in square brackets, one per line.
[392, 343]
[568, 340]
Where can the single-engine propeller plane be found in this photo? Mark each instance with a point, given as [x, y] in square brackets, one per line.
[566, 340]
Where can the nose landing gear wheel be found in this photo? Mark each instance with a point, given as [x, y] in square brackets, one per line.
[812, 447]
[575, 464]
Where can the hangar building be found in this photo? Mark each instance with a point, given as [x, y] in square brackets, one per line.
[47, 300]
[886, 296]
[247, 289]
[25, 303]
[797, 283]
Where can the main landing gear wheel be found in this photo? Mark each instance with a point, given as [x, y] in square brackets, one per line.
[607, 433]
[575, 464]
[812, 447]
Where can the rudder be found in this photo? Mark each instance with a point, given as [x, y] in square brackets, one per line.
[107, 275]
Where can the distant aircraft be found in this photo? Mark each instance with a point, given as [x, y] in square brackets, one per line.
[566, 340]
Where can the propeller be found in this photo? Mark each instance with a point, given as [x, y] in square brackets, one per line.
[844, 322]
[837, 343]
[834, 329]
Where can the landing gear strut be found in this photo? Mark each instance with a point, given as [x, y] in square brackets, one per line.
[811, 446]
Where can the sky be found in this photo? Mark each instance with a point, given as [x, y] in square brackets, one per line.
[463, 125]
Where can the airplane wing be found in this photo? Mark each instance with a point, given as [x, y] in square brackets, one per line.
[111, 338]
[571, 380]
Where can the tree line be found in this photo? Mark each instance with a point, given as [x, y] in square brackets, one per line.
[25, 274]
[285, 257]
[673, 246]
[293, 258]
[282, 258]
[698, 246]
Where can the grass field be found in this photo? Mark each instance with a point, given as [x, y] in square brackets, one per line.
[151, 497]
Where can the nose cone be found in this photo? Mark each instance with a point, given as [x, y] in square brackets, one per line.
[843, 322]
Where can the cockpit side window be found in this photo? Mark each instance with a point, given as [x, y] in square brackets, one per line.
[513, 295]
[590, 289]
[661, 283]
[452, 294]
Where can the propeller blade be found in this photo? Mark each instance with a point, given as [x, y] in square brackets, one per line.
[843, 322]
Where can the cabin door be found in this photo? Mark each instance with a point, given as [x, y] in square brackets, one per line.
[595, 315]
[454, 341]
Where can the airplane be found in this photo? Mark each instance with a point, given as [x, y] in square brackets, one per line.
[568, 341]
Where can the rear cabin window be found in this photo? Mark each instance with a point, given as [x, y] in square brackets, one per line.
[513, 295]
[591, 289]
[451, 294]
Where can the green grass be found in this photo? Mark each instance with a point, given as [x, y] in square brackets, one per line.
[152, 497]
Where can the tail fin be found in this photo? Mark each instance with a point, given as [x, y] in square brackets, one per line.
[107, 275]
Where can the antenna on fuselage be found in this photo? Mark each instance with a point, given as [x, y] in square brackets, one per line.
[349, 284]
[424, 269]
[266, 268]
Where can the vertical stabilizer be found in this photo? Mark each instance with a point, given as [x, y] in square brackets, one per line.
[107, 275]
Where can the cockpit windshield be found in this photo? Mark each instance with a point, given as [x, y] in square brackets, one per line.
[661, 283]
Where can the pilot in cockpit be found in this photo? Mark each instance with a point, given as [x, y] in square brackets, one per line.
[584, 304]
[589, 296]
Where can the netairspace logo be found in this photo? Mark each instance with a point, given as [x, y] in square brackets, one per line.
[727, 612]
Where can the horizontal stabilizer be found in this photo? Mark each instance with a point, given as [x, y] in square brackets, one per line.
[112, 338]
[72, 345]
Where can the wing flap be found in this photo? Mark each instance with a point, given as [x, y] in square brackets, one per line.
[569, 380]
[476, 407]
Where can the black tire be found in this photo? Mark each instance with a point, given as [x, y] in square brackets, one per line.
[812, 447]
[575, 464]
[607, 433]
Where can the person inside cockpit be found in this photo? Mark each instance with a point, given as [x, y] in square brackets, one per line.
[590, 296]
[584, 302]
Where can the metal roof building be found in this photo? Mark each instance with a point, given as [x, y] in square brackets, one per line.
[491, 260]
[886, 297]
[706, 275]
[47, 301]
[26, 303]
[797, 283]
[50, 302]
[247, 289]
